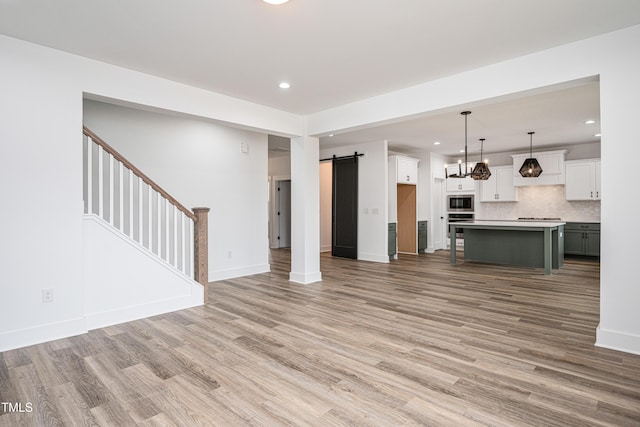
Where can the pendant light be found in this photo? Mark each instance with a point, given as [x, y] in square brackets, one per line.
[466, 173]
[530, 168]
[481, 169]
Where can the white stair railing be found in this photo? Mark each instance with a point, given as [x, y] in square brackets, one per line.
[123, 196]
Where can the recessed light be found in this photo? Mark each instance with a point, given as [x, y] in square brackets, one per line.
[330, 135]
[597, 135]
[589, 122]
[284, 85]
[436, 143]
[275, 1]
[462, 151]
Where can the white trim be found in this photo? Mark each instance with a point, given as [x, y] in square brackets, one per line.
[232, 273]
[373, 257]
[616, 340]
[305, 279]
[128, 314]
[42, 333]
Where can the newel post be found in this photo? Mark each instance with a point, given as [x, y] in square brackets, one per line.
[201, 249]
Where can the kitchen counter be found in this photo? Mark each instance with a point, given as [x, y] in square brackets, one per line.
[523, 243]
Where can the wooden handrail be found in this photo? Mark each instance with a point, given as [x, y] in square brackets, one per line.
[109, 149]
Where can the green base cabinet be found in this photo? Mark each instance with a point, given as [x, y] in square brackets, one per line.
[582, 238]
[422, 236]
[392, 236]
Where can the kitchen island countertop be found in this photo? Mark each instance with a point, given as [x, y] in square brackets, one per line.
[514, 223]
[525, 243]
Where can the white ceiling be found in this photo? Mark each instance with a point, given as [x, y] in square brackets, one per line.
[557, 116]
[331, 51]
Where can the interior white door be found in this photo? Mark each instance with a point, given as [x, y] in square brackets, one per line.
[283, 213]
[438, 230]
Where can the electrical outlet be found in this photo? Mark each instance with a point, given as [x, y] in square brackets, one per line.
[47, 295]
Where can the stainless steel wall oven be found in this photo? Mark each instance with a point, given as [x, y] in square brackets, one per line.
[460, 203]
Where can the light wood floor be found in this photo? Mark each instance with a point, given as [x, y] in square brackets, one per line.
[413, 342]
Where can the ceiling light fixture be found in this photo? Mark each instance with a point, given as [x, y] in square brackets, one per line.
[466, 173]
[275, 1]
[597, 135]
[436, 143]
[589, 122]
[284, 85]
[481, 169]
[531, 168]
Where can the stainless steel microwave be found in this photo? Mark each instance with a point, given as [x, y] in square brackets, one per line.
[460, 203]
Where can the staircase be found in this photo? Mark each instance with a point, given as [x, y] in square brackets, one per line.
[141, 244]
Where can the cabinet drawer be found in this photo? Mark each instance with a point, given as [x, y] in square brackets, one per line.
[582, 226]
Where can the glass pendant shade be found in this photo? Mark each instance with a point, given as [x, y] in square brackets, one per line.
[481, 170]
[530, 168]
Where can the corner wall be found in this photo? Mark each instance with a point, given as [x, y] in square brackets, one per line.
[41, 222]
[200, 164]
[373, 209]
[613, 58]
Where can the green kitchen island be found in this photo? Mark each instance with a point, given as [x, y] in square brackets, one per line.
[521, 243]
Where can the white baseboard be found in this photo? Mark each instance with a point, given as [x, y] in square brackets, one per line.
[128, 314]
[305, 278]
[232, 273]
[43, 333]
[373, 257]
[325, 248]
[615, 340]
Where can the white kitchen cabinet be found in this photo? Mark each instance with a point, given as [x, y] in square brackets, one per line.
[499, 187]
[552, 164]
[406, 169]
[460, 184]
[582, 180]
[454, 185]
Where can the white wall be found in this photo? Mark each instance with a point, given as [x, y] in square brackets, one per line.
[200, 164]
[125, 282]
[540, 201]
[613, 57]
[41, 107]
[372, 199]
[41, 222]
[280, 165]
[41, 215]
[574, 152]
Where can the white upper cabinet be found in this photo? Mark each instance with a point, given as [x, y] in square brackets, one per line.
[582, 180]
[552, 164]
[406, 169]
[499, 187]
[458, 185]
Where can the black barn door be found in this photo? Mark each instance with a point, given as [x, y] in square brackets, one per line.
[344, 242]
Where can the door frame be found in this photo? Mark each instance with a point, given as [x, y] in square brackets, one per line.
[337, 249]
[273, 209]
[439, 216]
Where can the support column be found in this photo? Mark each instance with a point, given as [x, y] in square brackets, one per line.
[305, 210]
[201, 249]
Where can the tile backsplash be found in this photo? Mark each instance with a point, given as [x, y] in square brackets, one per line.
[543, 201]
